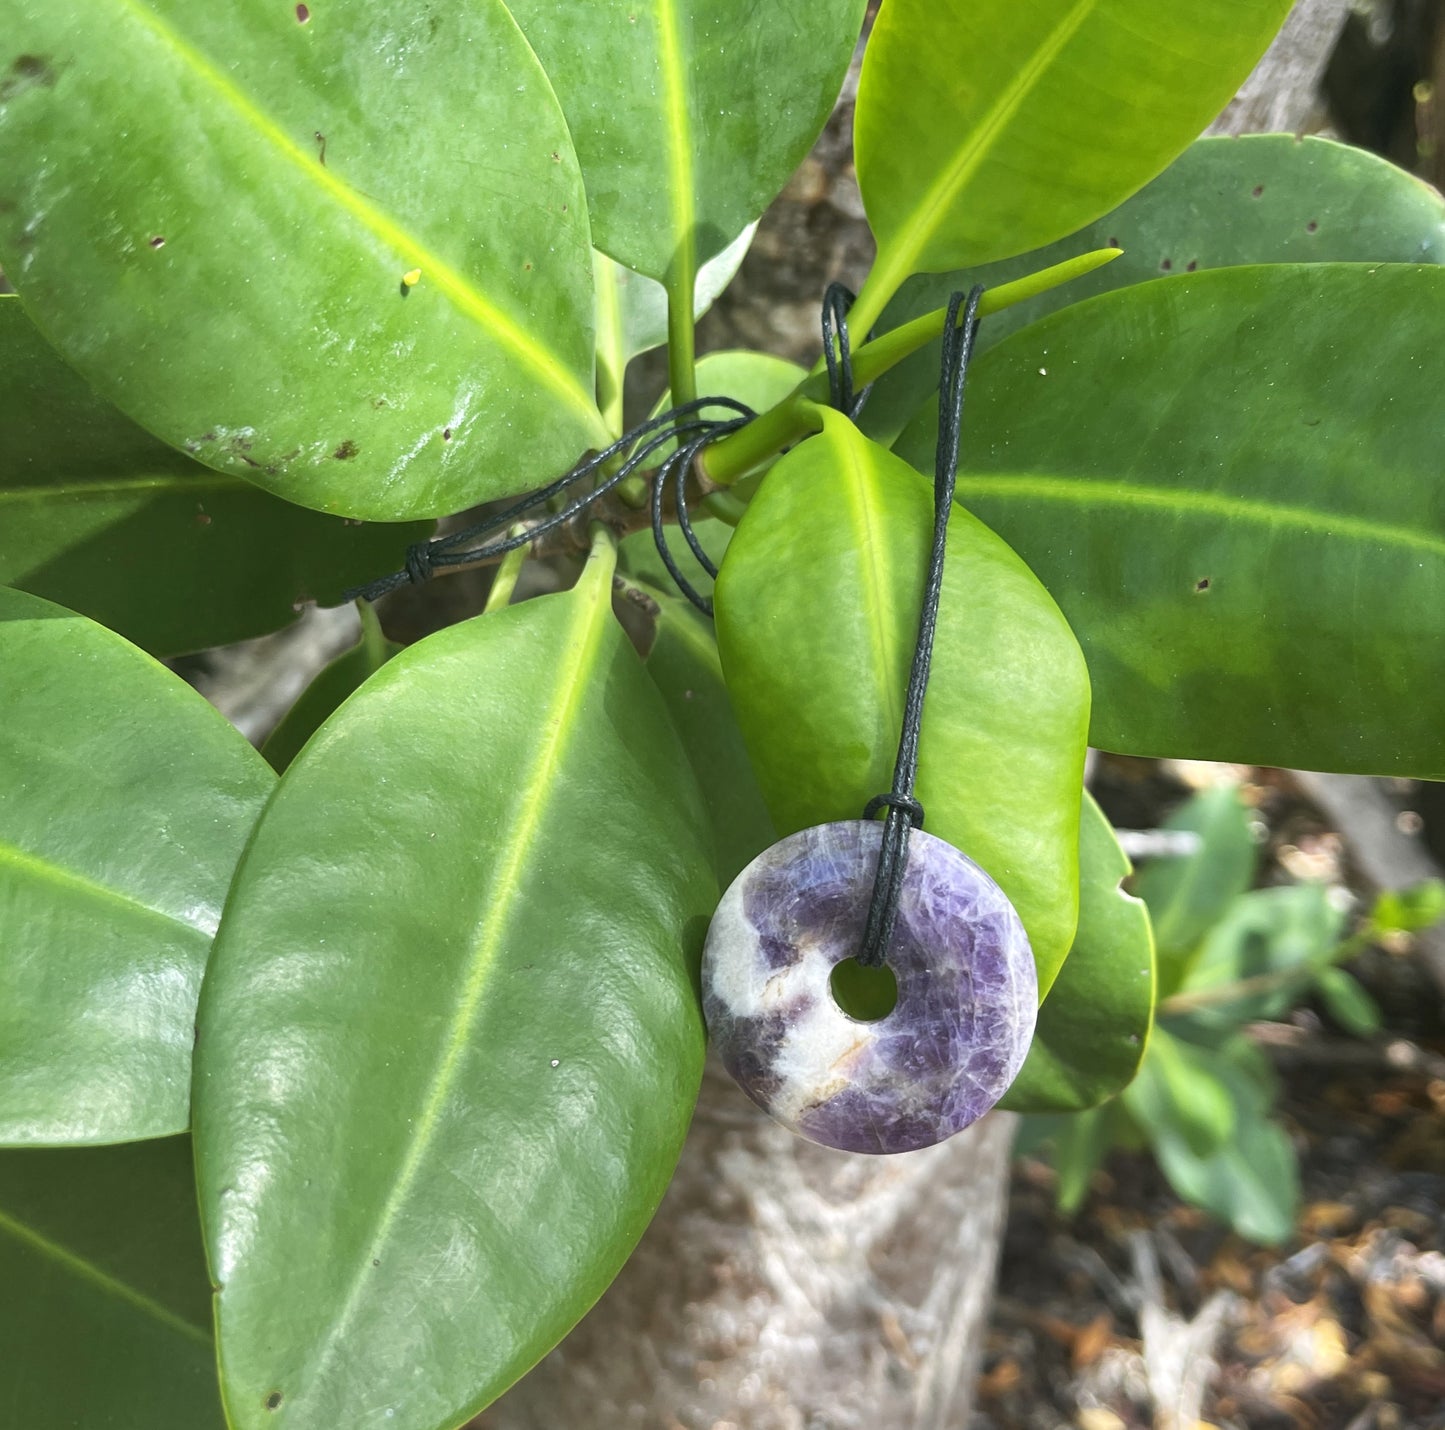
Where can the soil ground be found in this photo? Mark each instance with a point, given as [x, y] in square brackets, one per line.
[1102, 1322]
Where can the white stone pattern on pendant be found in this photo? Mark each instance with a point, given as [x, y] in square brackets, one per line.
[967, 991]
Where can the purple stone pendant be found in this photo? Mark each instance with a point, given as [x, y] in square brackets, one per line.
[967, 991]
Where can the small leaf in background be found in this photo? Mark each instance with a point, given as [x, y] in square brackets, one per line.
[1094, 1025]
[682, 659]
[1263, 198]
[451, 1038]
[1348, 1003]
[105, 1319]
[1281, 936]
[1193, 469]
[817, 618]
[348, 672]
[689, 115]
[632, 314]
[1075, 1144]
[1250, 1178]
[1179, 1093]
[983, 131]
[1409, 910]
[232, 278]
[125, 801]
[99, 516]
[1188, 896]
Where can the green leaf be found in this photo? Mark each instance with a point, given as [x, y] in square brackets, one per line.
[1188, 896]
[1094, 1025]
[1348, 1004]
[99, 516]
[1281, 935]
[682, 658]
[1263, 198]
[1192, 467]
[688, 115]
[450, 1038]
[331, 686]
[1409, 910]
[1078, 1142]
[1250, 1179]
[632, 313]
[125, 801]
[105, 1318]
[232, 277]
[638, 555]
[983, 131]
[1179, 1094]
[817, 617]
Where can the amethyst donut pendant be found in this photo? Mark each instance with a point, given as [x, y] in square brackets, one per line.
[967, 991]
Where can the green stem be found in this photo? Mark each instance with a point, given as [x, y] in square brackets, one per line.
[505, 581]
[1300, 974]
[891, 269]
[796, 415]
[681, 351]
[373, 638]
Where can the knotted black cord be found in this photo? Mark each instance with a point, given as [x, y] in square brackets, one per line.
[682, 422]
[904, 811]
[837, 300]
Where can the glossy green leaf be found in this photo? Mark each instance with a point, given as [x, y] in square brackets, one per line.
[125, 801]
[983, 131]
[1236, 501]
[1272, 941]
[1263, 198]
[1094, 1025]
[1348, 1003]
[632, 314]
[331, 686]
[817, 616]
[1188, 896]
[232, 274]
[1250, 1178]
[99, 516]
[682, 658]
[688, 115]
[450, 1038]
[105, 1319]
[638, 555]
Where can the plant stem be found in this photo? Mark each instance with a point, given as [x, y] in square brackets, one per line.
[1301, 974]
[373, 639]
[796, 415]
[681, 352]
[505, 581]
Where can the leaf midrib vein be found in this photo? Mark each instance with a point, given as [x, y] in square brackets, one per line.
[581, 649]
[544, 364]
[860, 478]
[679, 134]
[87, 1271]
[969, 157]
[45, 869]
[1084, 491]
[121, 486]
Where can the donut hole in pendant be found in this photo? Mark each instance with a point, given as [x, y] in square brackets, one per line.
[867, 995]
